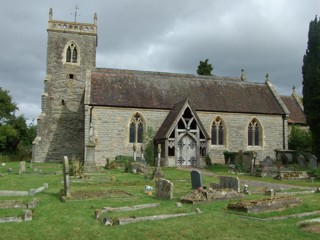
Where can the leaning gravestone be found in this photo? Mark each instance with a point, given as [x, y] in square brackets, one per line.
[164, 189]
[230, 182]
[196, 180]
[301, 161]
[313, 162]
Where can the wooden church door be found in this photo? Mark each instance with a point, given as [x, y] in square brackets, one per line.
[187, 151]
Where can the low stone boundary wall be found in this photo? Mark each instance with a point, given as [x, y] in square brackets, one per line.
[31, 192]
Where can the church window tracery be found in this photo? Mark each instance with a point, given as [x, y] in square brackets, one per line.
[254, 133]
[71, 53]
[217, 132]
[136, 129]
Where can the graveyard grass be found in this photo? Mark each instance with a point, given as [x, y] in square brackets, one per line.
[75, 219]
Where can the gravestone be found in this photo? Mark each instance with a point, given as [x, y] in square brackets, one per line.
[313, 162]
[66, 176]
[22, 167]
[268, 167]
[196, 179]
[164, 189]
[301, 161]
[230, 182]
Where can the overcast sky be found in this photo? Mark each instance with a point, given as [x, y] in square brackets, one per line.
[261, 36]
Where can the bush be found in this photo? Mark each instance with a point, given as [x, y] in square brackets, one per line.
[124, 161]
[149, 146]
[76, 167]
[300, 139]
[314, 173]
[208, 160]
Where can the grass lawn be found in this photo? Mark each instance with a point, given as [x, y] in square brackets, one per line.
[75, 219]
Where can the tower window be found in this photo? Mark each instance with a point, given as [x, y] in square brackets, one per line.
[71, 53]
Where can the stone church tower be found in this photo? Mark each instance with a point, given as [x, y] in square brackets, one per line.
[71, 52]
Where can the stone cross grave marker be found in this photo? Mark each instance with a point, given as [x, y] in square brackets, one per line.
[66, 176]
[196, 179]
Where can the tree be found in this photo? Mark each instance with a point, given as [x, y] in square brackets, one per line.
[205, 68]
[15, 135]
[7, 107]
[311, 84]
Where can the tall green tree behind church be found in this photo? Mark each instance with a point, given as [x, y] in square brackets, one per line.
[205, 68]
[311, 84]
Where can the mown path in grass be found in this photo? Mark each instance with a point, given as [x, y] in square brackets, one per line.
[253, 184]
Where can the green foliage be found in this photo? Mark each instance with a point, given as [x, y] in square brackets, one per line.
[205, 68]
[300, 139]
[7, 107]
[124, 161]
[208, 160]
[311, 84]
[229, 156]
[149, 146]
[314, 173]
[15, 136]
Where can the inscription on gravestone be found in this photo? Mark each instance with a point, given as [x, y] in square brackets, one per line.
[196, 179]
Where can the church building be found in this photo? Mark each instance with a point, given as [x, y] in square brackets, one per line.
[94, 114]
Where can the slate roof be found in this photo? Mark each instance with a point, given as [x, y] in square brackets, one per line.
[156, 90]
[296, 115]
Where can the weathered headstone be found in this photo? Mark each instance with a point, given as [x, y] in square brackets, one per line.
[230, 182]
[313, 162]
[301, 161]
[196, 179]
[66, 176]
[22, 167]
[164, 189]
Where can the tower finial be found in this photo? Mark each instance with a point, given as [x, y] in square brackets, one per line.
[76, 13]
[267, 76]
[95, 18]
[50, 14]
[243, 75]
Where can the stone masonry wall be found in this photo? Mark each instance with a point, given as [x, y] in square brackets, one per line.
[236, 134]
[111, 130]
[111, 126]
[61, 123]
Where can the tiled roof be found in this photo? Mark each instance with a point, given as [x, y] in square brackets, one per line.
[296, 115]
[172, 118]
[154, 90]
